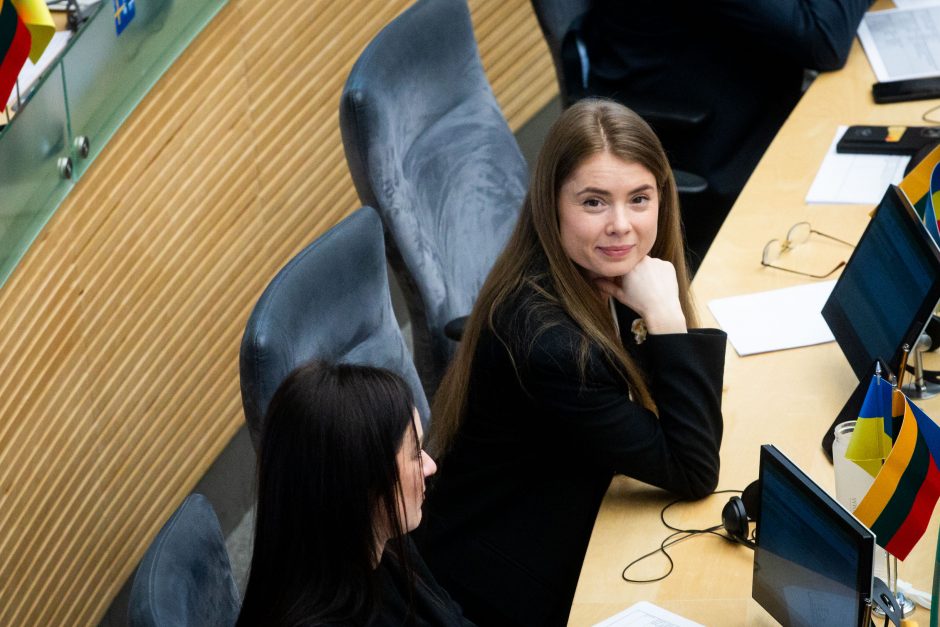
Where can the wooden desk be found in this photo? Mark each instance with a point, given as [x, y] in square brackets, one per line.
[785, 398]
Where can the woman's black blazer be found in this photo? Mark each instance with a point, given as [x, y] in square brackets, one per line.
[510, 513]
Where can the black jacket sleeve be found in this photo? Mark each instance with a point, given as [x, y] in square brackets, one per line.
[817, 34]
[676, 450]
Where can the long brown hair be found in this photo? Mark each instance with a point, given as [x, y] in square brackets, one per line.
[587, 128]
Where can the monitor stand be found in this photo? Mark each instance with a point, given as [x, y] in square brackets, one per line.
[919, 388]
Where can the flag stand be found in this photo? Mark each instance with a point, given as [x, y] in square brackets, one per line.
[907, 605]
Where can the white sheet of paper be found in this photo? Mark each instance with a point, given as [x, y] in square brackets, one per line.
[645, 614]
[775, 320]
[854, 179]
[911, 4]
[902, 43]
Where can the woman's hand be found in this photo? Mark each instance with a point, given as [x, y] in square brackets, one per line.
[651, 290]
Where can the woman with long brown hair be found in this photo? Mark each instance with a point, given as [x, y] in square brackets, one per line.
[577, 363]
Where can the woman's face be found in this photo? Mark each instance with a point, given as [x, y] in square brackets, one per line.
[414, 466]
[608, 211]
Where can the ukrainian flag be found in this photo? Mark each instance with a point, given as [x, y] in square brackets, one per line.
[874, 432]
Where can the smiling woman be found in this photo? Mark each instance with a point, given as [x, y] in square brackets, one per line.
[546, 400]
[607, 213]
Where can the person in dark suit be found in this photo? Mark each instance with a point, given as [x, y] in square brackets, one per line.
[739, 62]
[340, 484]
[577, 363]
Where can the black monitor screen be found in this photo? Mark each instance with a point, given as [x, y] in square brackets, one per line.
[888, 289]
[813, 563]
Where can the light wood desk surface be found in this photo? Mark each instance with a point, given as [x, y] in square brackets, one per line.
[786, 398]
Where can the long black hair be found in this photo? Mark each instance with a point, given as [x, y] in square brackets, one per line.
[328, 491]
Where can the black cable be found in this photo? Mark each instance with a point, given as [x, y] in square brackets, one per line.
[668, 540]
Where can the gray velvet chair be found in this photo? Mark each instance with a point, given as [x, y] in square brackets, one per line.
[332, 302]
[429, 148]
[185, 578]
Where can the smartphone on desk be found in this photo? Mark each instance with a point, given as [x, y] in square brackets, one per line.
[887, 140]
[910, 89]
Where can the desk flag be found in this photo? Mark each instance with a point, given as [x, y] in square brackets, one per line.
[15, 41]
[922, 188]
[932, 199]
[899, 503]
[875, 428]
[35, 14]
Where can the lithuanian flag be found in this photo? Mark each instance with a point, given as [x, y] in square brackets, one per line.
[35, 15]
[899, 503]
[15, 41]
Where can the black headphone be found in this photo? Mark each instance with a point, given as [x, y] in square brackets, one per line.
[738, 511]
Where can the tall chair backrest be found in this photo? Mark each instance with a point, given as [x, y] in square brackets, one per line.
[185, 578]
[556, 17]
[331, 302]
[429, 148]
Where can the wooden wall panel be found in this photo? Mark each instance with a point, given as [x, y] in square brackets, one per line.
[120, 328]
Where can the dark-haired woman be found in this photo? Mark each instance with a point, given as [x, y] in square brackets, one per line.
[340, 483]
[577, 363]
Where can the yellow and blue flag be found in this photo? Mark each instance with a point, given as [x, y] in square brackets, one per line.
[875, 428]
[922, 188]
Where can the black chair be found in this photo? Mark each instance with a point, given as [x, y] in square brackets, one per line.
[332, 302]
[560, 21]
[185, 578]
[429, 148]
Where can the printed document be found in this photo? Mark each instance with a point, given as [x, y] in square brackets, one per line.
[645, 614]
[902, 43]
[855, 179]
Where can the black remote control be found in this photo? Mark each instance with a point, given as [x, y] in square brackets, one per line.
[913, 89]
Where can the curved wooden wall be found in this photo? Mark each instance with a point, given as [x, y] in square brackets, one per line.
[120, 329]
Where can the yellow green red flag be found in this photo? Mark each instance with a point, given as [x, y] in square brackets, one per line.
[35, 15]
[899, 503]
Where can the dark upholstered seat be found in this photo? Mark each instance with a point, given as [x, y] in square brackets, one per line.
[428, 147]
[560, 22]
[185, 578]
[329, 302]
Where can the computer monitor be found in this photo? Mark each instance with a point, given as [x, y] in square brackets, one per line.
[888, 289]
[813, 562]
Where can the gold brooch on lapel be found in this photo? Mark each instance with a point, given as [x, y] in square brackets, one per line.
[638, 328]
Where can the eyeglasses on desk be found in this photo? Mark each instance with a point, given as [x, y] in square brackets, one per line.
[798, 234]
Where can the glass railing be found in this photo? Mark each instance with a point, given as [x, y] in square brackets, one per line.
[79, 103]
